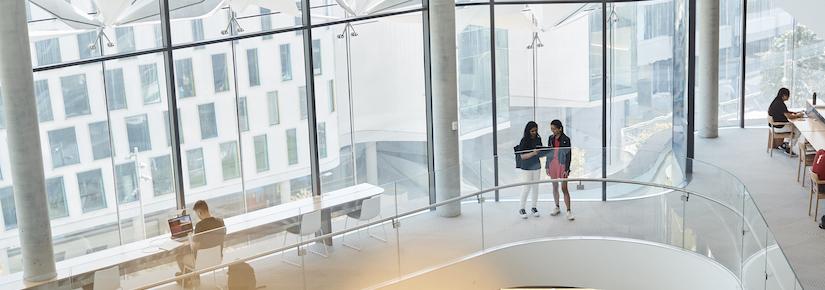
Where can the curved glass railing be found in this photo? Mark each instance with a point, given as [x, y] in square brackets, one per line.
[651, 196]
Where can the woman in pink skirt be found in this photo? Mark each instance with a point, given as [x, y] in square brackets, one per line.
[558, 165]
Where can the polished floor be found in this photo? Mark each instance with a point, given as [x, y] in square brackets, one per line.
[782, 201]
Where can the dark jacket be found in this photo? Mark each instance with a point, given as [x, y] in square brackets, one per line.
[565, 153]
[528, 145]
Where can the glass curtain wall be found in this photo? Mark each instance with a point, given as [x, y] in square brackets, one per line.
[243, 115]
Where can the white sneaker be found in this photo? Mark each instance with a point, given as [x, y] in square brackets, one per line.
[570, 216]
[556, 211]
[535, 212]
[523, 213]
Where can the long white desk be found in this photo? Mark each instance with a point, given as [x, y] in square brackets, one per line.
[136, 253]
[812, 127]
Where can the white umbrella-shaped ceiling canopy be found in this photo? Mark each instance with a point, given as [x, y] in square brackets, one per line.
[370, 7]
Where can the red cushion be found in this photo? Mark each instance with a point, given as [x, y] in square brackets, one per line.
[819, 163]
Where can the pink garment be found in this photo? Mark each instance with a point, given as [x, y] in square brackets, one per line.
[556, 169]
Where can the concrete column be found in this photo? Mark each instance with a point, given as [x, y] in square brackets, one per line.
[24, 143]
[707, 68]
[371, 162]
[444, 105]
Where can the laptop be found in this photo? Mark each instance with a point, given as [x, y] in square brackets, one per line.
[179, 227]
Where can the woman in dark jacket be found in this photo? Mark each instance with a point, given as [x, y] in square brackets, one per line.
[529, 153]
[558, 165]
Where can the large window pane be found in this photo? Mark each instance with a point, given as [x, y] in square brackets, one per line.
[92, 192]
[149, 83]
[137, 129]
[229, 160]
[63, 144]
[44, 100]
[209, 126]
[99, 137]
[87, 44]
[75, 95]
[115, 90]
[195, 167]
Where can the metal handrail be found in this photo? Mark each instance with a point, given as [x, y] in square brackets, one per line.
[422, 209]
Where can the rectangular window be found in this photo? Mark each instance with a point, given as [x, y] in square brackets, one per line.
[185, 77]
[331, 95]
[44, 101]
[194, 164]
[56, 197]
[75, 95]
[87, 45]
[252, 67]
[125, 39]
[209, 127]
[9, 211]
[261, 153]
[243, 118]
[99, 135]
[220, 78]
[292, 146]
[127, 183]
[298, 22]
[286, 62]
[197, 30]
[229, 160]
[272, 103]
[158, 35]
[149, 85]
[322, 140]
[48, 51]
[266, 22]
[162, 175]
[115, 91]
[316, 56]
[137, 130]
[63, 143]
[92, 193]
[302, 101]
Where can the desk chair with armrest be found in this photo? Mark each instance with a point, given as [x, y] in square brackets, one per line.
[772, 134]
[206, 258]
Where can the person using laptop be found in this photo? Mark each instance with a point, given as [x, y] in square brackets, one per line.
[780, 113]
[209, 232]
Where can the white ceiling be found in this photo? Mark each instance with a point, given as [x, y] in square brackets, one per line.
[806, 12]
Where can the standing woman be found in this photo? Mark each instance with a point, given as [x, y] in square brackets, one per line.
[529, 153]
[558, 165]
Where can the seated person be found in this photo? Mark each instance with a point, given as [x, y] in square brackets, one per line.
[779, 111]
[209, 232]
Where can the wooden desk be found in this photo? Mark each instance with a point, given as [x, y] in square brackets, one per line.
[809, 124]
[139, 255]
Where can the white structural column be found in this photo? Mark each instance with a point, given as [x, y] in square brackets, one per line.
[707, 68]
[24, 143]
[444, 105]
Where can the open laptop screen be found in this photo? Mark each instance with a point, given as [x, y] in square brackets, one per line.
[180, 226]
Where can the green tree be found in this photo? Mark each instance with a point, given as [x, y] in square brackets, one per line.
[796, 56]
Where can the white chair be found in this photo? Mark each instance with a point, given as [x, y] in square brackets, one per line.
[370, 209]
[107, 279]
[772, 134]
[206, 258]
[309, 225]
